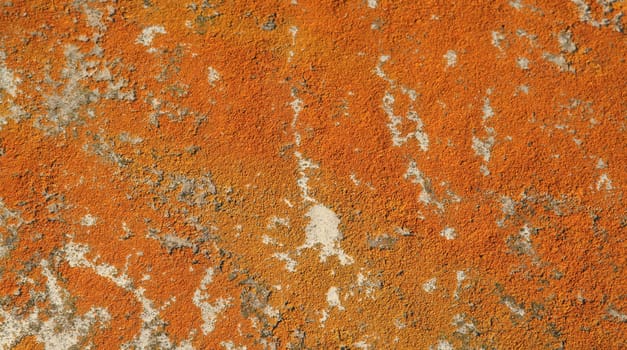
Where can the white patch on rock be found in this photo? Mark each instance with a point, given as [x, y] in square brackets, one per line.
[460, 276]
[128, 138]
[430, 285]
[230, 345]
[497, 38]
[56, 295]
[372, 4]
[88, 220]
[304, 164]
[523, 241]
[604, 182]
[10, 222]
[290, 264]
[523, 88]
[148, 34]
[451, 58]
[585, 14]
[484, 170]
[449, 233]
[483, 147]
[508, 206]
[54, 336]
[566, 42]
[379, 68]
[209, 311]
[463, 327]
[333, 298]
[265, 239]
[324, 317]
[213, 76]
[488, 112]
[149, 335]
[514, 308]
[361, 345]
[367, 286]
[444, 345]
[271, 312]
[323, 231]
[276, 221]
[297, 107]
[94, 18]
[523, 63]
[517, 4]
[293, 31]
[62, 329]
[403, 231]
[8, 82]
[426, 195]
[395, 121]
[185, 345]
[560, 61]
[619, 316]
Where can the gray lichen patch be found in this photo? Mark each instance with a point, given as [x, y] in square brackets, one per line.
[483, 147]
[172, 242]
[193, 191]
[209, 311]
[497, 39]
[516, 309]
[106, 148]
[10, 223]
[430, 286]
[566, 43]
[464, 326]
[68, 102]
[382, 242]
[523, 63]
[586, 14]
[255, 304]
[8, 80]
[162, 107]
[270, 24]
[617, 315]
[395, 121]
[62, 329]
[427, 195]
[560, 61]
[521, 243]
[89, 220]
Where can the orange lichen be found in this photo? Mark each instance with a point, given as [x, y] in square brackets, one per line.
[160, 160]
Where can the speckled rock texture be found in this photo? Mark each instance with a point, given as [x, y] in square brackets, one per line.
[300, 174]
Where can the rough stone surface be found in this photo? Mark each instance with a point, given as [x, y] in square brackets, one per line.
[299, 174]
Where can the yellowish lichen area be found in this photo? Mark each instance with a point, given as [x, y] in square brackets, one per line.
[363, 174]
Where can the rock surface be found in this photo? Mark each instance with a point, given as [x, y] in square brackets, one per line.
[362, 174]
